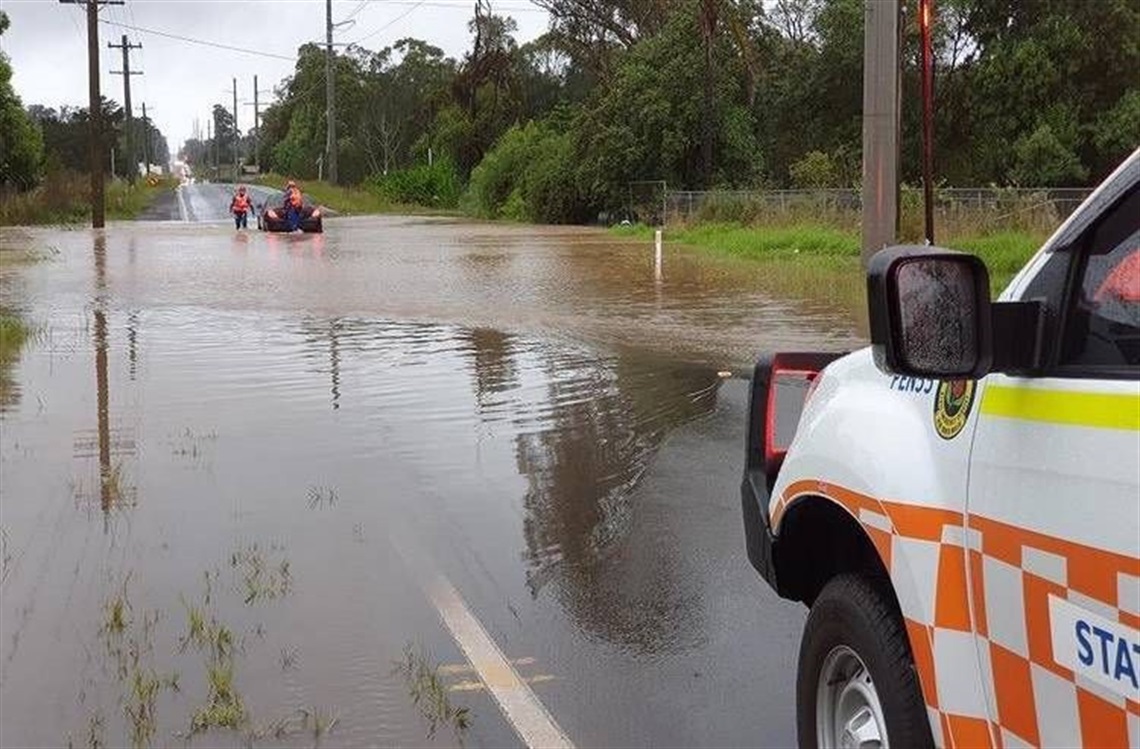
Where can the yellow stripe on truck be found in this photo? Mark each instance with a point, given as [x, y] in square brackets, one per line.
[1099, 410]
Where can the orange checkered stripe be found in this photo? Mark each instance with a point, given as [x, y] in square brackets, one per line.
[1030, 700]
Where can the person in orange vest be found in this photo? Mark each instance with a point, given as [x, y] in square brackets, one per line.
[293, 203]
[240, 207]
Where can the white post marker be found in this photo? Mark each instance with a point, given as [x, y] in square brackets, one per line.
[182, 203]
[657, 255]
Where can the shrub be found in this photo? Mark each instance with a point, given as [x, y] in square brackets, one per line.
[434, 185]
[527, 176]
[815, 169]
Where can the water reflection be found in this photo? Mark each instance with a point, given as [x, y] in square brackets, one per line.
[493, 359]
[583, 471]
[323, 339]
[511, 397]
[114, 489]
[132, 341]
[583, 441]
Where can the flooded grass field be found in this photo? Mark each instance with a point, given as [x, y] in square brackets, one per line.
[235, 469]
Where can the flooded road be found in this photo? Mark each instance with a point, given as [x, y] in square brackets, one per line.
[367, 487]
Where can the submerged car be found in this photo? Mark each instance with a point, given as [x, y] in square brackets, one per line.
[271, 215]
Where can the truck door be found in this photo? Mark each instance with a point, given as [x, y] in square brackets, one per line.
[1053, 519]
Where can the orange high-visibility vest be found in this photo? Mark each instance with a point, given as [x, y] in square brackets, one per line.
[240, 204]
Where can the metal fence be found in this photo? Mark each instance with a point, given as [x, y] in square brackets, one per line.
[1048, 204]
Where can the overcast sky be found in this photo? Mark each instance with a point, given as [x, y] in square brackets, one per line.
[47, 45]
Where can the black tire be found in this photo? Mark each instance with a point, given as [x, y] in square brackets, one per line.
[854, 611]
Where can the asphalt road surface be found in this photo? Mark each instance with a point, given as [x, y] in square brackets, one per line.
[409, 482]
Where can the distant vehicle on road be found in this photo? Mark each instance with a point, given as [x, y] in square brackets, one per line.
[959, 503]
[271, 215]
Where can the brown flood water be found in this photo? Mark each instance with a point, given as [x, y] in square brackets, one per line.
[214, 449]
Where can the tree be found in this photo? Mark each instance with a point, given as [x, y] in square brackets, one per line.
[1041, 159]
[1048, 63]
[595, 32]
[646, 123]
[21, 143]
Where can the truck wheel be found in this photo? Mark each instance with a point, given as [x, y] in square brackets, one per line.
[857, 685]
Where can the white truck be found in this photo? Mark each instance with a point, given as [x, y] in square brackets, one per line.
[959, 503]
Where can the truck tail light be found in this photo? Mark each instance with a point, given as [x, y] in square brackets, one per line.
[788, 393]
[781, 387]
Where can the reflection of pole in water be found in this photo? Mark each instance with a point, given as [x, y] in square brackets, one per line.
[334, 362]
[101, 385]
[132, 338]
[103, 397]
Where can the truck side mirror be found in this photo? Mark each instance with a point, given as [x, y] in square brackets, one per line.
[930, 313]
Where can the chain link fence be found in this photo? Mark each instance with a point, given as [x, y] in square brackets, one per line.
[1020, 207]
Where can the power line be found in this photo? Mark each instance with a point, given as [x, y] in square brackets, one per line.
[390, 23]
[461, 5]
[203, 42]
[355, 11]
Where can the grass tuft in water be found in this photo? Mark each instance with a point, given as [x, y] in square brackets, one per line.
[312, 720]
[322, 496]
[429, 693]
[262, 579]
[288, 659]
[224, 708]
[117, 614]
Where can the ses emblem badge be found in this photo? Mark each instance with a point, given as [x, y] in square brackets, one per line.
[952, 403]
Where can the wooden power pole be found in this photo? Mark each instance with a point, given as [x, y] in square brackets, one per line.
[881, 125]
[237, 140]
[146, 141]
[330, 94]
[925, 23]
[126, 72]
[256, 104]
[95, 144]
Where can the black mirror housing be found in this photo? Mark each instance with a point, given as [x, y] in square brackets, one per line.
[930, 313]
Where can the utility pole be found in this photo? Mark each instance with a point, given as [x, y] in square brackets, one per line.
[256, 104]
[330, 94]
[237, 158]
[146, 140]
[926, 21]
[126, 72]
[210, 142]
[94, 109]
[881, 125]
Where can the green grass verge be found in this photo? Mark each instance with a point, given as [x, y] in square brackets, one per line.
[125, 202]
[64, 198]
[824, 247]
[1005, 253]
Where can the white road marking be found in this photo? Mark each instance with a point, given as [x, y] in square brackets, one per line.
[519, 704]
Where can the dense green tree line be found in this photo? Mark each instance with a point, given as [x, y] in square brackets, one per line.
[711, 94]
[21, 145]
[39, 140]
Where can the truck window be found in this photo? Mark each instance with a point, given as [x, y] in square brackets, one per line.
[1103, 323]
